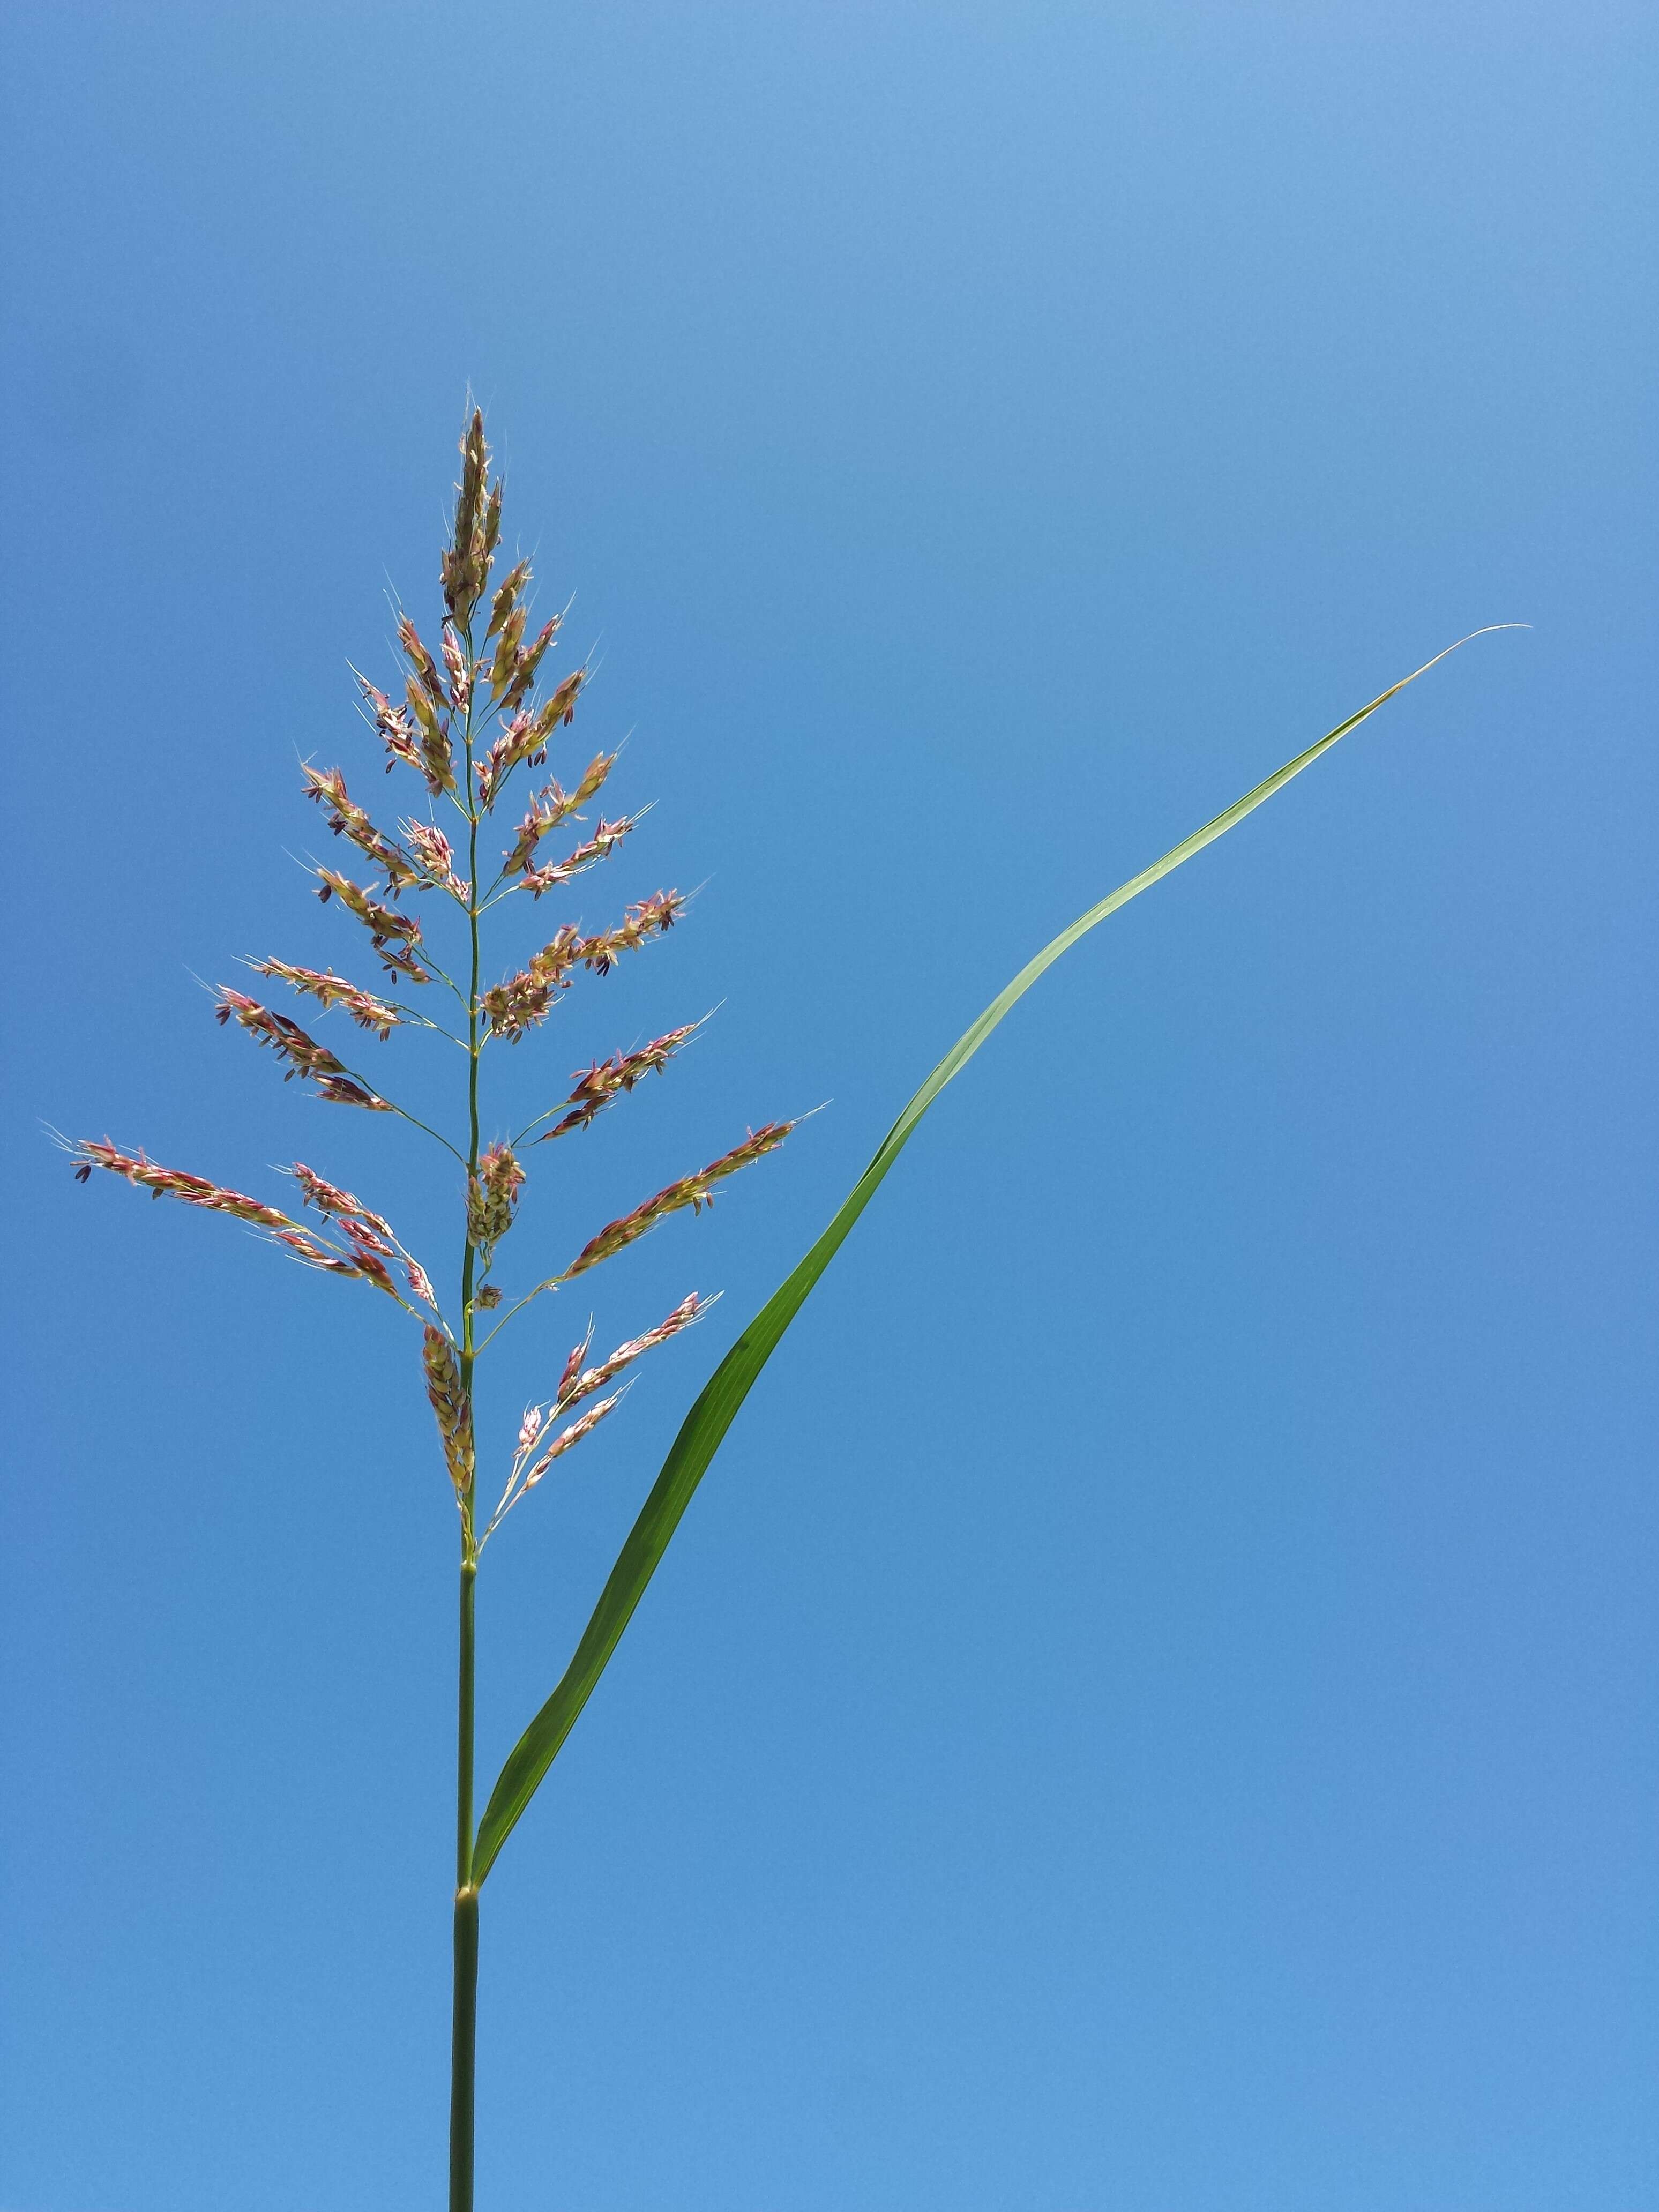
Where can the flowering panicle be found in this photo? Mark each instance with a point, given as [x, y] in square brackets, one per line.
[434, 859]
[459, 699]
[552, 807]
[304, 1055]
[377, 1015]
[606, 1078]
[452, 1405]
[346, 819]
[598, 846]
[394, 935]
[695, 1191]
[492, 1198]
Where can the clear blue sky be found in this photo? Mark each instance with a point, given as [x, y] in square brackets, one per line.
[1154, 1709]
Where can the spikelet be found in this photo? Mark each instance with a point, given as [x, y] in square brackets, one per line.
[434, 859]
[604, 1081]
[458, 688]
[508, 643]
[528, 660]
[695, 1191]
[347, 819]
[451, 1405]
[507, 594]
[303, 1055]
[394, 935]
[376, 1015]
[395, 730]
[492, 1198]
[426, 671]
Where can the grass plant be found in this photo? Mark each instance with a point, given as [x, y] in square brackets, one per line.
[470, 716]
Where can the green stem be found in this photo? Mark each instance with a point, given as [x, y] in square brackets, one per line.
[464, 2032]
[464, 2051]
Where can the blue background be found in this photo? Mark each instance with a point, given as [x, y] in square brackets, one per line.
[1154, 1707]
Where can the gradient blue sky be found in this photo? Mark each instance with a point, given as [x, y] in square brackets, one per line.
[1154, 1710]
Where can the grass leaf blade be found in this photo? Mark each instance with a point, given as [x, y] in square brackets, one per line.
[705, 1425]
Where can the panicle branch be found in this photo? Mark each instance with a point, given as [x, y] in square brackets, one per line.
[397, 731]
[146, 1174]
[368, 1232]
[377, 1015]
[394, 935]
[304, 1055]
[695, 1191]
[347, 819]
[526, 736]
[528, 998]
[607, 1079]
[598, 846]
[575, 1384]
[585, 1381]
[551, 807]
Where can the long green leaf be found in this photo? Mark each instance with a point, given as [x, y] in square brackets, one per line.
[706, 1425]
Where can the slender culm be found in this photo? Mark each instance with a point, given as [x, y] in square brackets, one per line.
[470, 718]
